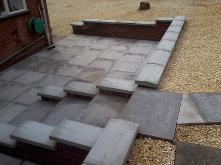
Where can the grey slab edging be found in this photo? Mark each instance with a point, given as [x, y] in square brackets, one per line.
[151, 76]
[5, 132]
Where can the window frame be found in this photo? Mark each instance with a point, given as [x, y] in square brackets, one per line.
[7, 10]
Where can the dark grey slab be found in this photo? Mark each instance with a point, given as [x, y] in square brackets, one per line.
[76, 134]
[208, 105]
[35, 112]
[155, 111]
[8, 160]
[195, 154]
[29, 163]
[101, 109]
[5, 131]
[11, 74]
[68, 108]
[113, 145]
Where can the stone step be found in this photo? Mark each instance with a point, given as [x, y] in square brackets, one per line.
[117, 86]
[114, 143]
[34, 133]
[81, 89]
[5, 132]
[51, 93]
[76, 134]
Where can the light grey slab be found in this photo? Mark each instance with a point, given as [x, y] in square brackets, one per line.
[195, 154]
[79, 23]
[126, 66]
[11, 74]
[113, 145]
[150, 75]
[112, 55]
[189, 114]
[139, 49]
[174, 29]
[30, 78]
[34, 133]
[101, 45]
[49, 66]
[121, 75]
[117, 85]
[133, 58]
[160, 57]
[68, 108]
[171, 36]
[52, 92]
[101, 109]
[155, 111]
[29, 63]
[208, 105]
[145, 23]
[166, 45]
[82, 60]
[164, 19]
[66, 70]
[81, 88]
[10, 111]
[5, 131]
[8, 160]
[76, 134]
[92, 74]
[118, 48]
[101, 64]
[177, 23]
[180, 18]
[34, 112]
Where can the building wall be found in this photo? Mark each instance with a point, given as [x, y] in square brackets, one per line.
[14, 34]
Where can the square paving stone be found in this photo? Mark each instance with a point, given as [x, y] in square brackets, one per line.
[160, 57]
[189, 114]
[30, 78]
[166, 45]
[8, 160]
[155, 111]
[126, 66]
[11, 91]
[139, 49]
[208, 105]
[29, 63]
[51, 92]
[100, 45]
[145, 43]
[101, 64]
[121, 75]
[92, 52]
[81, 88]
[10, 111]
[54, 80]
[68, 108]
[133, 58]
[77, 50]
[5, 131]
[101, 109]
[92, 74]
[48, 66]
[171, 36]
[118, 48]
[175, 29]
[195, 154]
[43, 54]
[34, 112]
[111, 55]
[82, 60]
[11, 74]
[71, 71]
[61, 57]
[29, 97]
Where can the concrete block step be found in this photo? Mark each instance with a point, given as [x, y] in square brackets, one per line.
[117, 86]
[81, 89]
[5, 132]
[76, 134]
[114, 143]
[51, 93]
[34, 133]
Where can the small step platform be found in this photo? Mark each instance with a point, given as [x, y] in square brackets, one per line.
[54, 93]
[5, 132]
[81, 89]
[120, 86]
[34, 133]
[114, 143]
[76, 134]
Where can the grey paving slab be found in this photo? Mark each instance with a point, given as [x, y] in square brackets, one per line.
[43, 54]
[101, 64]
[177, 23]
[101, 109]
[164, 19]
[8, 160]
[76, 134]
[68, 108]
[77, 50]
[55, 80]
[126, 66]
[117, 85]
[139, 49]
[91, 52]
[29, 97]
[189, 114]
[66, 70]
[10, 111]
[62, 58]
[11, 91]
[133, 58]
[175, 29]
[81, 88]
[11, 74]
[195, 154]
[155, 111]
[92, 74]
[118, 48]
[150, 75]
[145, 43]
[29, 63]
[34, 133]
[82, 60]
[5, 131]
[30, 78]
[100, 45]
[208, 105]
[166, 45]
[35, 112]
[120, 75]
[160, 57]
[114, 143]
[171, 36]
[111, 55]
[52, 92]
